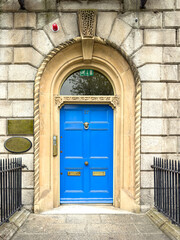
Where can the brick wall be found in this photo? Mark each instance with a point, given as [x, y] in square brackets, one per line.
[152, 42]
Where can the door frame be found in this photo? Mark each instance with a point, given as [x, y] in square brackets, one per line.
[127, 101]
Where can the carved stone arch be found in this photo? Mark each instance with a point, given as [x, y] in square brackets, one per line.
[126, 194]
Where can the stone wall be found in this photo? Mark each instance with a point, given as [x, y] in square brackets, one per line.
[150, 37]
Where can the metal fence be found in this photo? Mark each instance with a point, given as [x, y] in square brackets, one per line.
[167, 188]
[10, 187]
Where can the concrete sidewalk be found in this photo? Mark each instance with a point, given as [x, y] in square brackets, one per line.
[89, 227]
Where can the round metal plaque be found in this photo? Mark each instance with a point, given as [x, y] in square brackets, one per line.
[17, 144]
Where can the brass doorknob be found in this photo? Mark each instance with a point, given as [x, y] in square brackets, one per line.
[86, 163]
[86, 125]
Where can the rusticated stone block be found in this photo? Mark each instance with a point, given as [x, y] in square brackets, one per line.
[147, 160]
[150, 20]
[172, 19]
[22, 108]
[22, 20]
[4, 72]
[2, 128]
[147, 179]
[15, 37]
[154, 126]
[22, 72]
[6, 55]
[133, 41]
[174, 90]
[6, 20]
[55, 37]
[148, 55]
[39, 37]
[6, 109]
[154, 91]
[150, 72]
[160, 37]
[104, 23]
[27, 159]
[27, 179]
[35, 5]
[69, 23]
[10, 5]
[3, 91]
[159, 144]
[45, 18]
[169, 73]
[171, 54]
[20, 90]
[27, 55]
[174, 126]
[120, 31]
[159, 108]
[27, 196]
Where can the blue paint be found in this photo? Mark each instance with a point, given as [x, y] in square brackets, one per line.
[94, 145]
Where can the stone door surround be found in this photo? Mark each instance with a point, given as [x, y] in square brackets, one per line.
[95, 53]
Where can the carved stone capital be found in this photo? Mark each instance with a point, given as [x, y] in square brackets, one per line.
[112, 101]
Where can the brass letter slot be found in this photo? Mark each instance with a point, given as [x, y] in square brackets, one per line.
[74, 173]
[99, 173]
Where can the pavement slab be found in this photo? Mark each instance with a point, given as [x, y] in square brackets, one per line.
[89, 227]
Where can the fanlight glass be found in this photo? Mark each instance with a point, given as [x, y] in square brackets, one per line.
[87, 82]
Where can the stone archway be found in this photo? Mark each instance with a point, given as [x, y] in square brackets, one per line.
[113, 63]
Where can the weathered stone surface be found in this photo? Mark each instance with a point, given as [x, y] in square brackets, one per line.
[39, 37]
[148, 55]
[35, 5]
[147, 197]
[10, 5]
[6, 20]
[5, 109]
[27, 55]
[159, 108]
[2, 148]
[129, 18]
[15, 37]
[147, 179]
[6, 55]
[150, 72]
[4, 72]
[154, 126]
[159, 144]
[99, 5]
[171, 54]
[22, 72]
[171, 19]
[154, 91]
[56, 37]
[133, 41]
[69, 24]
[27, 179]
[23, 109]
[45, 18]
[3, 91]
[7, 231]
[120, 31]
[160, 37]
[22, 20]
[20, 90]
[160, 5]
[174, 126]
[147, 160]
[169, 73]
[178, 4]
[174, 90]
[104, 23]
[2, 127]
[27, 196]
[150, 20]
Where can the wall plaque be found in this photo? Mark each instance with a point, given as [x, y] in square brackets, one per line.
[17, 144]
[21, 127]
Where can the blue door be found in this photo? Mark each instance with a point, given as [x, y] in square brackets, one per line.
[86, 154]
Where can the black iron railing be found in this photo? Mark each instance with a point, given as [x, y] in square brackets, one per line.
[10, 187]
[167, 188]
